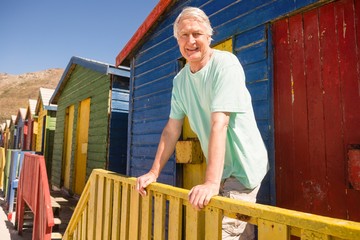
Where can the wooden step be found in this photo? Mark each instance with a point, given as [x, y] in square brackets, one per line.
[56, 235]
[56, 207]
[57, 223]
[54, 203]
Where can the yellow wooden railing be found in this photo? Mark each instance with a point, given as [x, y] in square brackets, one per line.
[2, 166]
[110, 208]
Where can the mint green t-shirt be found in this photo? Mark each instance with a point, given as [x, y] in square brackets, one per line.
[220, 87]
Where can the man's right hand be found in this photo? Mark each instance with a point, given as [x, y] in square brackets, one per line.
[143, 181]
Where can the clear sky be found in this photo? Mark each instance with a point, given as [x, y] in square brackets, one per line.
[42, 34]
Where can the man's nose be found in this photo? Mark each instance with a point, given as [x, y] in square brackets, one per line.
[191, 38]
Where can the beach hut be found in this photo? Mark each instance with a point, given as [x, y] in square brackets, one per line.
[91, 125]
[29, 125]
[288, 66]
[2, 132]
[46, 120]
[20, 125]
[12, 132]
[6, 137]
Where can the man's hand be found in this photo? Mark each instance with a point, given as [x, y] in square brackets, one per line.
[143, 181]
[200, 195]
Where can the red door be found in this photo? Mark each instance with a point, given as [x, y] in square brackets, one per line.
[317, 109]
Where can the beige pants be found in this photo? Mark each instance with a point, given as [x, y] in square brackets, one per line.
[233, 228]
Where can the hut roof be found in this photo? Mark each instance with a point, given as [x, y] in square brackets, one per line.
[142, 31]
[20, 115]
[44, 99]
[13, 118]
[32, 106]
[100, 67]
[8, 123]
[30, 111]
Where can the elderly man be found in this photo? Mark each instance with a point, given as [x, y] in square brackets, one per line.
[210, 90]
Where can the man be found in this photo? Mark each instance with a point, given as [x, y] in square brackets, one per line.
[210, 90]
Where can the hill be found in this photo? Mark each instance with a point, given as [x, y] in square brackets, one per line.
[16, 90]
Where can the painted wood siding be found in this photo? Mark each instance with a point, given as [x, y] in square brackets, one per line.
[317, 113]
[156, 63]
[83, 83]
[49, 140]
[119, 126]
[39, 137]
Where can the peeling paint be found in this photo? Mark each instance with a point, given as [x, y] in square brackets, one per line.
[313, 192]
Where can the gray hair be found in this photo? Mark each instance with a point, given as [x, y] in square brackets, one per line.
[195, 13]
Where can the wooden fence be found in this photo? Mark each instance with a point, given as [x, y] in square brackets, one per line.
[110, 208]
[34, 191]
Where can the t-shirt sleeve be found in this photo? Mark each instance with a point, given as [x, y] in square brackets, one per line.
[176, 111]
[229, 92]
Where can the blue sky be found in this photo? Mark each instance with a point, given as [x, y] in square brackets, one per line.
[42, 34]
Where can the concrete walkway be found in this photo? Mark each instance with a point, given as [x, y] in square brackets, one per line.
[7, 228]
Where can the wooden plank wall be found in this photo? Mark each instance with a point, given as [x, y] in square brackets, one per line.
[119, 125]
[317, 113]
[49, 140]
[155, 64]
[42, 112]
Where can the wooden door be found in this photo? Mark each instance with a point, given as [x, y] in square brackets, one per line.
[69, 123]
[82, 145]
[316, 104]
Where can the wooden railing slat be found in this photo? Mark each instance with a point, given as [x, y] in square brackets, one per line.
[124, 226]
[146, 214]
[159, 216]
[100, 208]
[92, 206]
[213, 220]
[134, 214]
[271, 230]
[108, 210]
[83, 224]
[116, 213]
[192, 222]
[175, 218]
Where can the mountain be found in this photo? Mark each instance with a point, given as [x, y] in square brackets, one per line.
[16, 90]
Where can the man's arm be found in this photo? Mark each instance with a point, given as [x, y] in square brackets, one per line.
[200, 195]
[166, 147]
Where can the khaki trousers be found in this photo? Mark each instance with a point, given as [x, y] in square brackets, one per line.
[233, 228]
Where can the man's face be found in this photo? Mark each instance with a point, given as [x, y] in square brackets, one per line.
[194, 42]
